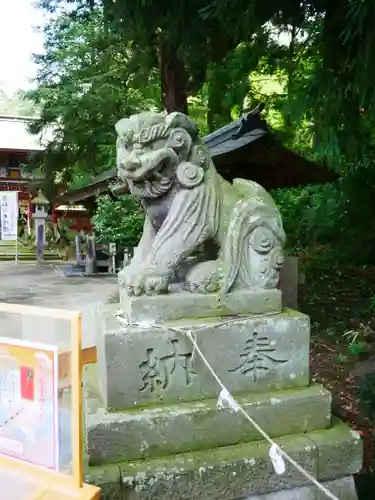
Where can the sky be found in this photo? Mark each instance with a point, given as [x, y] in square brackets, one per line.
[18, 41]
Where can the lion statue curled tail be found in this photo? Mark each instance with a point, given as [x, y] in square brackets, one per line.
[200, 231]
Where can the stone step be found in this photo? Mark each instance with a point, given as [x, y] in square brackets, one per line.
[162, 430]
[25, 253]
[149, 364]
[233, 472]
[22, 249]
[8, 248]
[343, 488]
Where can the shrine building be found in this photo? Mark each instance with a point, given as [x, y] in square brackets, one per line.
[16, 146]
[246, 148]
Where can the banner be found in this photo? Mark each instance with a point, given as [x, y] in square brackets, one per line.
[9, 215]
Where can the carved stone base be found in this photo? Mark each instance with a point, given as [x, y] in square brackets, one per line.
[180, 304]
[147, 364]
[154, 430]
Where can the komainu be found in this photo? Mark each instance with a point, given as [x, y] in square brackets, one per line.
[200, 231]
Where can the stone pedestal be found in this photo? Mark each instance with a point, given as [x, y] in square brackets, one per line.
[154, 429]
[182, 305]
[153, 364]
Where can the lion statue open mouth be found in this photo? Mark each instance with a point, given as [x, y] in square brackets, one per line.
[199, 230]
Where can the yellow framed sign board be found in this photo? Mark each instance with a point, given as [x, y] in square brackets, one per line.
[41, 431]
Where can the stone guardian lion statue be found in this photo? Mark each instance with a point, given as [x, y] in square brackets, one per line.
[200, 231]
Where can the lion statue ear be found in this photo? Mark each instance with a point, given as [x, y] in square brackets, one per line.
[179, 120]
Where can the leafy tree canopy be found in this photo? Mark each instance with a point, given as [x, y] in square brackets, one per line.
[106, 59]
[83, 87]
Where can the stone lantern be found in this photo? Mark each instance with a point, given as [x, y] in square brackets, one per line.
[40, 214]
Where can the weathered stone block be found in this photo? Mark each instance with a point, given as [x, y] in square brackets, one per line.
[162, 430]
[343, 488]
[152, 364]
[183, 305]
[228, 473]
[338, 456]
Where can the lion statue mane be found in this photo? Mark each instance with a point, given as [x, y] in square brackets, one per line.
[200, 231]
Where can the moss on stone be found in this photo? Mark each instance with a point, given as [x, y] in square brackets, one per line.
[210, 473]
[160, 430]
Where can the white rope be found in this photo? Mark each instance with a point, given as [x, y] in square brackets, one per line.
[275, 452]
[238, 407]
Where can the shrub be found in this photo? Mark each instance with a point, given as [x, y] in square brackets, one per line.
[118, 221]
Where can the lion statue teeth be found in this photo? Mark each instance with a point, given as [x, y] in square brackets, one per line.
[200, 231]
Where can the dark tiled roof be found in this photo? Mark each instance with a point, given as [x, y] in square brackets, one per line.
[227, 144]
[229, 148]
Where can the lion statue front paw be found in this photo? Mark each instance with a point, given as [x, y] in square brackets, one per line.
[143, 281]
[156, 284]
[128, 279]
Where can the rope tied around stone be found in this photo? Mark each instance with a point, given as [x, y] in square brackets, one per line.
[276, 452]
[275, 448]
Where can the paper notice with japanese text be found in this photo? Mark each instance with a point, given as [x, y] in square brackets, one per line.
[8, 215]
[29, 427]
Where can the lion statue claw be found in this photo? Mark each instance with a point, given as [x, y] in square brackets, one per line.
[199, 231]
[143, 281]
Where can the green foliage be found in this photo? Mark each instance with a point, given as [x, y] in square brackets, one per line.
[309, 215]
[85, 86]
[118, 221]
[324, 61]
[106, 59]
[174, 36]
[229, 83]
[332, 215]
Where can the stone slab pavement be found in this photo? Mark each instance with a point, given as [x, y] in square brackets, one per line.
[46, 286]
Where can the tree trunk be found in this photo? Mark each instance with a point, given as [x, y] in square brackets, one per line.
[173, 79]
[289, 129]
[335, 22]
[337, 58]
